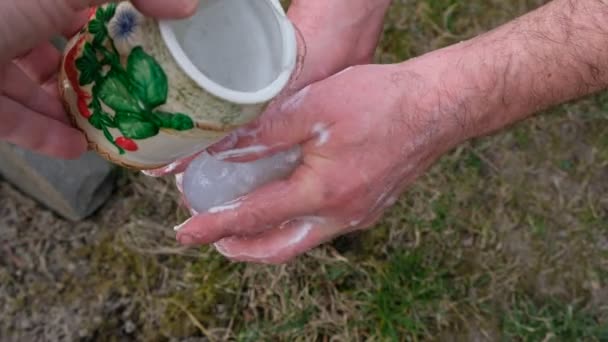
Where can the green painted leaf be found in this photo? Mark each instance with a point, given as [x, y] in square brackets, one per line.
[161, 119]
[105, 13]
[86, 77]
[149, 80]
[181, 122]
[96, 26]
[134, 126]
[110, 138]
[178, 122]
[114, 93]
[99, 38]
[100, 13]
[108, 121]
[96, 120]
[89, 53]
[88, 65]
[95, 104]
[110, 11]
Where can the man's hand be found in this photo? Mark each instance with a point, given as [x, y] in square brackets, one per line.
[363, 141]
[31, 114]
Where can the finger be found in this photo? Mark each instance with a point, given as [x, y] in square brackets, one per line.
[181, 165]
[154, 8]
[284, 125]
[176, 167]
[52, 88]
[225, 144]
[36, 21]
[19, 87]
[79, 20]
[280, 245]
[41, 63]
[31, 130]
[167, 9]
[267, 207]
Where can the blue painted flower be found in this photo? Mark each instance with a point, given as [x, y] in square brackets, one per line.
[125, 28]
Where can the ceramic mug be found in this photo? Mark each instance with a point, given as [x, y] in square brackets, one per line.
[147, 93]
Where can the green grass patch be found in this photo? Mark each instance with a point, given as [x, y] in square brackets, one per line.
[551, 320]
[406, 301]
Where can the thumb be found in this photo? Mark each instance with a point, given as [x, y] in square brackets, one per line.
[26, 23]
[284, 125]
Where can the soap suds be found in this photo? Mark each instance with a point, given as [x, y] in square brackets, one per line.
[301, 233]
[162, 171]
[248, 132]
[322, 133]
[241, 152]
[294, 155]
[226, 207]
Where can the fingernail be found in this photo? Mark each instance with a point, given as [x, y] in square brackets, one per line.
[179, 182]
[220, 249]
[179, 227]
[189, 6]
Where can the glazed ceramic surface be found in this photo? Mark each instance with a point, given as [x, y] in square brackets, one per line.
[147, 93]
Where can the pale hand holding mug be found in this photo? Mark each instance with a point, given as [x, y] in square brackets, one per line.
[31, 113]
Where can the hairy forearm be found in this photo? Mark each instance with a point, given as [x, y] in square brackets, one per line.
[552, 55]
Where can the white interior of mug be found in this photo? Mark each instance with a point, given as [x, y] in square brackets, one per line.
[243, 51]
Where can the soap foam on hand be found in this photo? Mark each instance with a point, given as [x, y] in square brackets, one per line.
[210, 182]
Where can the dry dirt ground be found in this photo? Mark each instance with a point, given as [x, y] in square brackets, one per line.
[506, 238]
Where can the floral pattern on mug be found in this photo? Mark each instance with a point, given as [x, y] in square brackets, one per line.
[125, 28]
[119, 86]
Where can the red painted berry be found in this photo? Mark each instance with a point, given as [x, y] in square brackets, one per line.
[83, 108]
[70, 69]
[92, 12]
[126, 143]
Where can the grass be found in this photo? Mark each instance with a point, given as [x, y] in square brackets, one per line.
[505, 239]
[551, 320]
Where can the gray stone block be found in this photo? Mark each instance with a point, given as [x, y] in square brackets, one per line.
[73, 189]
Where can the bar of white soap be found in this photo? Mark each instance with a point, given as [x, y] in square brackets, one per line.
[209, 182]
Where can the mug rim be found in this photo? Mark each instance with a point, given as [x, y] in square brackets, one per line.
[263, 95]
